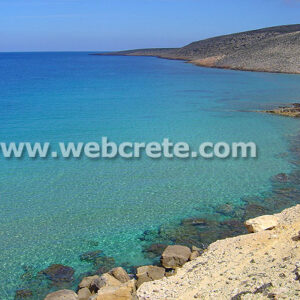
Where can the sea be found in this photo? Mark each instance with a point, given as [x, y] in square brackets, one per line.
[54, 210]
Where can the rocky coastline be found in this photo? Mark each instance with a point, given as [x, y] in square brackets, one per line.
[204, 258]
[264, 264]
[292, 110]
[178, 251]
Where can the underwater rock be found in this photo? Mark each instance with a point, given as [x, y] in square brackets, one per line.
[281, 177]
[23, 294]
[59, 273]
[225, 209]
[154, 250]
[91, 255]
[104, 264]
[253, 210]
[194, 222]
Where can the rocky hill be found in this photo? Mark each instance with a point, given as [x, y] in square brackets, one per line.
[274, 49]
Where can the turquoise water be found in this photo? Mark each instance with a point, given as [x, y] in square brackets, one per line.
[51, 211]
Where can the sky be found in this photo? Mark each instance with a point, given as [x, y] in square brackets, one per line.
[106, 25]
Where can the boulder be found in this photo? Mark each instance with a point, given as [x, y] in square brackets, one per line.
[84, 294]
[107, 280]
[59, 273]
[124, 291]
[261, 223]
[149, 273]
[88, 282]
[175, 256]
[120, 274]
[94, 283]
[62, 295]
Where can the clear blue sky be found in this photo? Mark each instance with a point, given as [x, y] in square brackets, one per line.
[50, 25]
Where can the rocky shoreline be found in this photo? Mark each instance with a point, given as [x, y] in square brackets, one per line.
[262, 265]
[170, 247]
[180, 252]
[292, 110]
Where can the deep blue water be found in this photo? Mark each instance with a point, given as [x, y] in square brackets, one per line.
[51, 211]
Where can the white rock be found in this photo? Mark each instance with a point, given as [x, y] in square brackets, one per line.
[261, 223]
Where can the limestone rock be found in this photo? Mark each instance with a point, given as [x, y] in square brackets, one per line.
[175, 256]
[261, 223]
[62, 295]
[84, 294]
[124, 291]
[120, 274]
[87, 282]
[149, 273]
[107, 280]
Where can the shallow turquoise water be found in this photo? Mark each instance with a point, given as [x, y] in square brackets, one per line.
[51, 211]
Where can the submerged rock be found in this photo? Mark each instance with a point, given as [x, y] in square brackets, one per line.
[194, 222]
[59, 273]
[225, 209]
[154, 250]
[175, 256]
[62, 295]
[91, 255]
[23, 294]
[253, 210]
[281, 177]
[103, 264]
